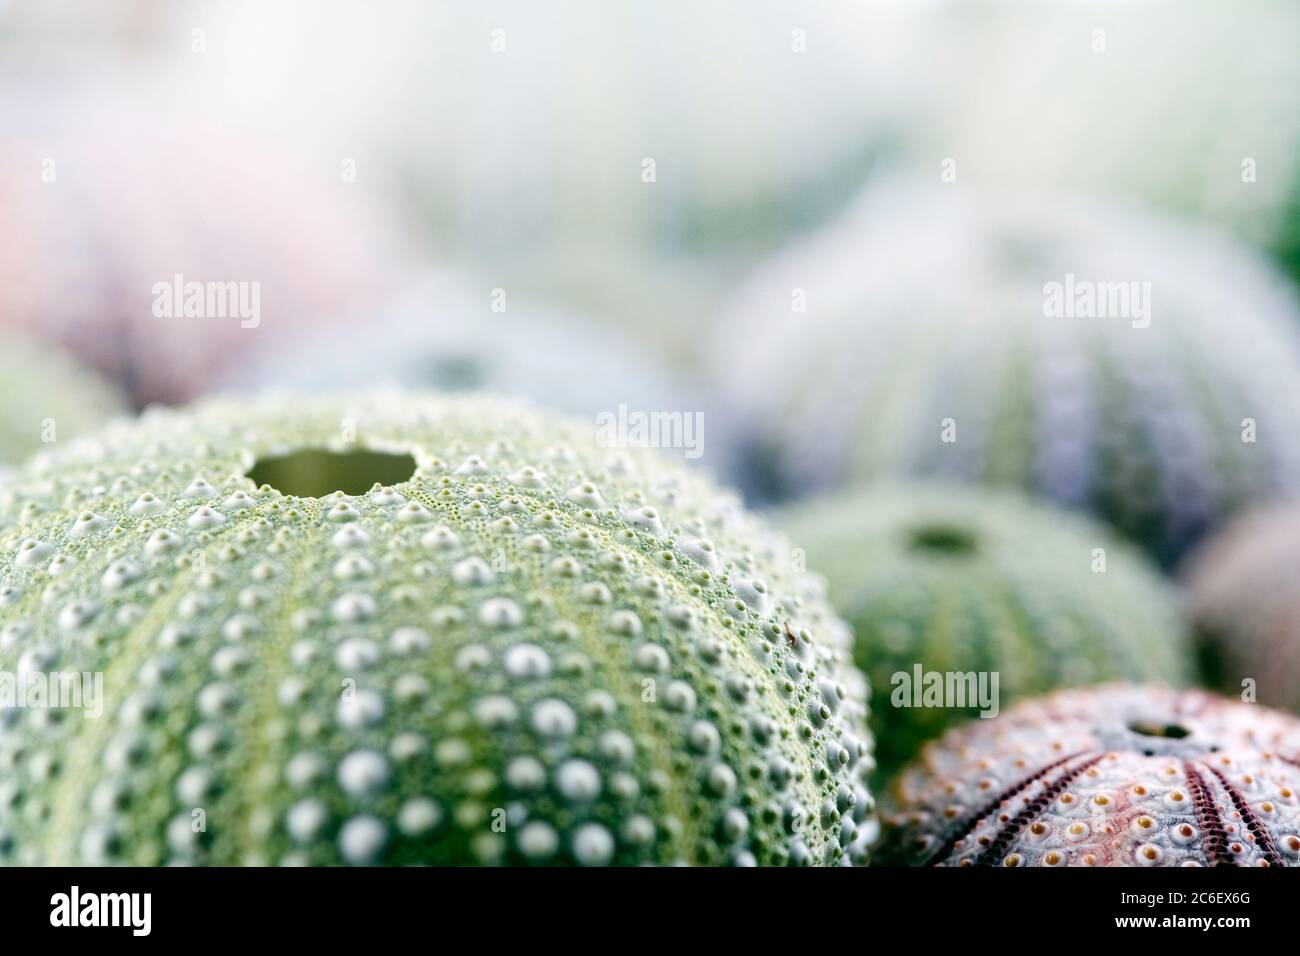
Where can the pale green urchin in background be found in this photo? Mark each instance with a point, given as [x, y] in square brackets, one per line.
[1147, 101]
[1113, 362]
[532, 650]
[455, 332]
[964, 581]
[45, 398]
[512, 129]
[624, 158]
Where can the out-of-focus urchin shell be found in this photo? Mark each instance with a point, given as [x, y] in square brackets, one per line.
[648, 126]
[106, 196]
[535, 650]
[930, 345]
[968, 581]
[1174, 67]
[50, 30]
[453, 333]
[1122, 775]
[1242, 586]
[624, 160]
[46, 398]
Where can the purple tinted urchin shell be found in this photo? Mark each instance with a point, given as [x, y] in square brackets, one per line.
[1122, 775]
[1162, 430]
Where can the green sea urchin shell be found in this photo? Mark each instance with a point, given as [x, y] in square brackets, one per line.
[1122, 775]
[958, 580]
[1170, 402]
[596, 139]
[45, 398]
[1142, 66]
[446, 332]
[535, 650]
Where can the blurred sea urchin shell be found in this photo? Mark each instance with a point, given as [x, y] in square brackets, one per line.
[931, 332]
[46, 398]
[1243, 590]
[517, 126]
[1189, 105]
[456, 333]
[117, 195]
[973, 581]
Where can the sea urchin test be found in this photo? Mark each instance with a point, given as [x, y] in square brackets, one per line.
[964, 599]
[1162, 396]
[1123, 775]
[1241, 590]
[426, 630]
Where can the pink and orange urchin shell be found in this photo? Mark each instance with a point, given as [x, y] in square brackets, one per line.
[1241, 587]
[107, 194]
[1121, 775]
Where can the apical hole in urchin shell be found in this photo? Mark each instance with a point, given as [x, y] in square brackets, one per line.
[1148, 728]
[455, 373]
[316, 472]
[942, 539]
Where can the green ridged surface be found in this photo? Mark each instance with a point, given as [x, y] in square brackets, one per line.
[535, 650]
[959, 580]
